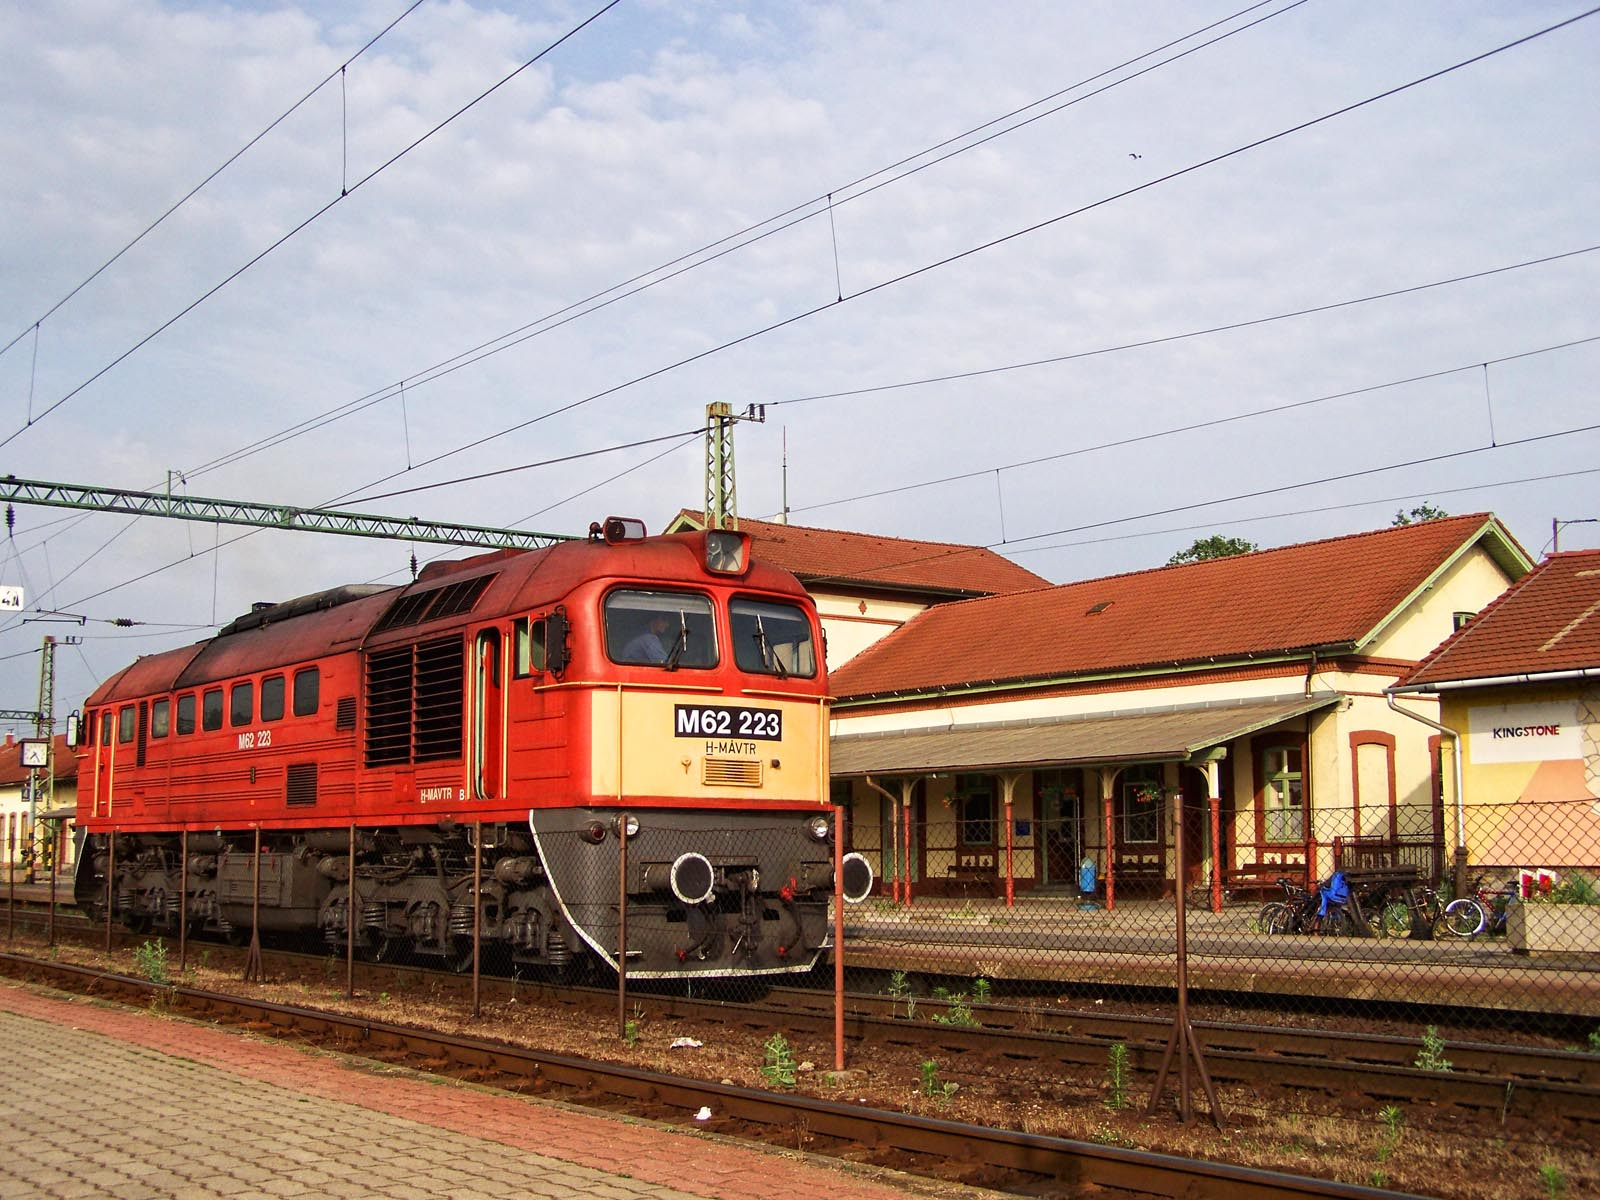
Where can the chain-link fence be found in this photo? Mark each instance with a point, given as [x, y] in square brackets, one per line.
[1494, 916]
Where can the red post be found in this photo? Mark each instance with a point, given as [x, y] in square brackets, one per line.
[1011, 882]
[908, 854]
[1111, 883]
[838, 942]
[894, 848]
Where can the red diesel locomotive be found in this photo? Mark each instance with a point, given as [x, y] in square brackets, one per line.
[491, 722]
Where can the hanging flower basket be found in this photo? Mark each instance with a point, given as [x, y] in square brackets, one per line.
[1147, 795]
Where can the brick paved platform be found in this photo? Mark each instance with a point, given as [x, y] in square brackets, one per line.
[114, 1102]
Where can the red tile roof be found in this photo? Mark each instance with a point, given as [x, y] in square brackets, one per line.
[831, 556]
[1334, 593]
[1547, 621]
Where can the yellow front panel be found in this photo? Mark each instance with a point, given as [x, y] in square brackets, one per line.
[699, 747]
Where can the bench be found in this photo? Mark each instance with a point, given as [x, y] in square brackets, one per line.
[972, 868]
[1261, 876]
[1139, 875]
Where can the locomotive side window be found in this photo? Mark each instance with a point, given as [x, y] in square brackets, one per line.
[668, 629]
[772, 638]
[530, 642]
[106, 719]
[186, 713]
[160, 711]
[307, 692]
[242, 704]
[125, 724]
[272, 698]
[211, 709]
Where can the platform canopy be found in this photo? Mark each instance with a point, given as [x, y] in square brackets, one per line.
[1156, 735]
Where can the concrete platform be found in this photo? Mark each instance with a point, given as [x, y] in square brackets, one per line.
[114, 1102]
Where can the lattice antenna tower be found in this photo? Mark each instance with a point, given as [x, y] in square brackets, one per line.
[722, 508]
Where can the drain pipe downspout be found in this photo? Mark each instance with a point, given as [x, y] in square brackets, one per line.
[1459, 782]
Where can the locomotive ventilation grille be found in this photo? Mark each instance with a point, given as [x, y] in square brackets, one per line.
[302, 785]
[730, 772]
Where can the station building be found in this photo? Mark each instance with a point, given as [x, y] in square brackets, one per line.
[994, 734]
[1519, 689]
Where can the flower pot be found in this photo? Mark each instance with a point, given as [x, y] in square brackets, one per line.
[1544, 928]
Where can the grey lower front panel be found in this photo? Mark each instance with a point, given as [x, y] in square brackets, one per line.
[765, 909]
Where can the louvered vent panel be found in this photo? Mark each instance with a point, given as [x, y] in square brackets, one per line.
[302, 785]
[344, 716]
[730, 772]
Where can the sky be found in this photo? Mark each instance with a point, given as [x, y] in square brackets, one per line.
[1080, 282]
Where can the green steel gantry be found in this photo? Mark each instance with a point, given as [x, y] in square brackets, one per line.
[268, 516]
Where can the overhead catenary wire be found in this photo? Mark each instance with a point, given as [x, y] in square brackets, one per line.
[345, 193]
[197, 188]
[932, 266]
[1197, 426]
[805, 314]
[747, 236]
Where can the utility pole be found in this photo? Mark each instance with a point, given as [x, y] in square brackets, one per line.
[42, 779]
[722, 508]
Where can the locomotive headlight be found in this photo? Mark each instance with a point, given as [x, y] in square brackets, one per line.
[817, 827]
[727, 551]
[628, 821]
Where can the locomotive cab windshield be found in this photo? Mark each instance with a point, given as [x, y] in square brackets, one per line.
[772, 638]
[667, 629]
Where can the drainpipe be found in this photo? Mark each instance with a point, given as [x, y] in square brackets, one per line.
[1461, 812]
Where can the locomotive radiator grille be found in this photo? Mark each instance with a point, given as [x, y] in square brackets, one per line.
[730, 772]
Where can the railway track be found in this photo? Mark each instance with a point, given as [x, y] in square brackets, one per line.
[1490, 1081]
[1029, 1164]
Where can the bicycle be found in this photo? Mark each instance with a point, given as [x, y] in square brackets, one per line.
[1295, 913]
[1482, 911]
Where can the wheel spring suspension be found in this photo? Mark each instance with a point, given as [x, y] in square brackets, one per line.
[556, 950]
[462, 916]
[374, 914]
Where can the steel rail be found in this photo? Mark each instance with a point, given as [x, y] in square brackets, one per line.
[1033, 1155]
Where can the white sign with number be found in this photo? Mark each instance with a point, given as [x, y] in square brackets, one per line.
[11, 599]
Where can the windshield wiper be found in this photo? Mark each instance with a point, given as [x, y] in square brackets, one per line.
[680, 643]
[769, 656]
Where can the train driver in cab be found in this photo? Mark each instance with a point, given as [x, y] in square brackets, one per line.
[649, 645]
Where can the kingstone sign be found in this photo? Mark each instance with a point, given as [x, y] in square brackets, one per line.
[1514, 733]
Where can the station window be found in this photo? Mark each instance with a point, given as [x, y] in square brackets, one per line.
[160, 713]
[307, 692]
[1282, 794]
[186, 713]
[125, 724]
[1139, 802]
[975, 810]
[668, 629]
[242, 704]
[211, 709]
[272, 698]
